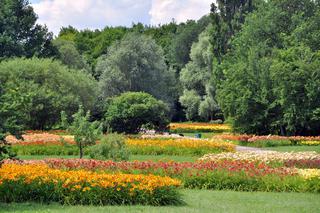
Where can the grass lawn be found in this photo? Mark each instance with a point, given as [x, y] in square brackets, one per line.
[295, 148]
[132, 157]
[197, 201]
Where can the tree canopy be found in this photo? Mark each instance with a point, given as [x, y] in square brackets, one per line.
[270, 71]
[136, 63]
[254, 63]
[19, 33]
[35, 91]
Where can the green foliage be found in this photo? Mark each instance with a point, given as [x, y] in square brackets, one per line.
[220, 180]
[59, 150]
[186, 34]
[64, 124]
[267, 143]
[135, 64]
[6, 151]
[129, 111]
[295, 74]
[112, 146]
[191, 101]
[92, 44]
[196, 81]
[33, 92]
[85, 133]
[270, 76]
[69, 55]
[227, 19]
[163, 35]
[14, 105]
[19, 33]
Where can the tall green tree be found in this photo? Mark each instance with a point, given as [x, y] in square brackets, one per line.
[19, 33]
[227, 17]
[196, 80]
[295, 73]
[271, 71]
[136, 63]
[186, 34]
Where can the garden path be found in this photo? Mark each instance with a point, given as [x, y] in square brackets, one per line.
[251, 149]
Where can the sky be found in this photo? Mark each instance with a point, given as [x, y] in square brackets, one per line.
[96, 14]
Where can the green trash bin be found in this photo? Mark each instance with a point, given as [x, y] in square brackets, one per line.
[198, 135]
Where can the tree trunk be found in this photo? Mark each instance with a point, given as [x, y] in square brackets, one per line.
[283, 131]
[81, 151]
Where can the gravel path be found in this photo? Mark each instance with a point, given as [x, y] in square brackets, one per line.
[251, 149]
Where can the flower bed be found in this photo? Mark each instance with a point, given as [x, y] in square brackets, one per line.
[270, 140]
[41, 138]
[310, 173]
[198, 127]
[310, 143]
[177, 146]
[220, 175]
[38, 182]
[193, 147]
[290, 159]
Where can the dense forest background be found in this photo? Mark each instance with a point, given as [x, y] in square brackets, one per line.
[253, 63]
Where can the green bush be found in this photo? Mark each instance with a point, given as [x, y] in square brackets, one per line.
[39, 89]
[132, 110]
[111, 146]
[6, 151]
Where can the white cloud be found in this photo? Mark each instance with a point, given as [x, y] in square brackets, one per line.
[163, 11]
[91, 14]
[94, 14]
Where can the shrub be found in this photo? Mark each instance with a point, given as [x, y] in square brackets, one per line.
[112, 147]
[130, 111]
[5, 151]
[39, 89]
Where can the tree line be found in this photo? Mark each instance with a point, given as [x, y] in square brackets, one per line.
[252, 63]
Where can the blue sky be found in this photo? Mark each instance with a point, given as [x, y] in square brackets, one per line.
[96, 14]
